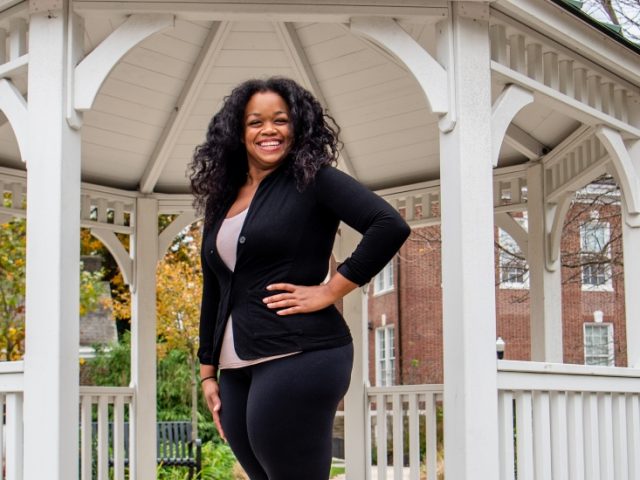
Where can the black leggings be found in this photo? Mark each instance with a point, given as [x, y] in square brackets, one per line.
[278, 415]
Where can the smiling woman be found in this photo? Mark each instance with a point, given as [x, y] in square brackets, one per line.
[275, 353]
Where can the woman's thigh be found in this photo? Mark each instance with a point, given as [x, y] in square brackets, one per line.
[290, 411]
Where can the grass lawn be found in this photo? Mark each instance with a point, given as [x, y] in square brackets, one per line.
[335, 471]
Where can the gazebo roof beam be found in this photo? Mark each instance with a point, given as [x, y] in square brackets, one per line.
[524, 143]
[184, 105]
[327, 11]
[295, 51]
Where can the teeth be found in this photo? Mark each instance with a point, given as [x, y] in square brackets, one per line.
[269, 144]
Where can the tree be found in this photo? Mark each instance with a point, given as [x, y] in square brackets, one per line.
[178, 290]
[621, 13]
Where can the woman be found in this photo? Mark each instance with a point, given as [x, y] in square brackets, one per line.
[275, 353]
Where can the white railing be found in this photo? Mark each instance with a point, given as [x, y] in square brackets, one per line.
[568, 422]
[102, 442]
[412, 411]
[11, 430]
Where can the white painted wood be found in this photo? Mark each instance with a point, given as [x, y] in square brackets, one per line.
[143, 336]
[14, 107]
[431, 434]
[633, 435]
[620, 445]
[591, 443]
[575, 428]
[118, 438]
[381, 434]
[551, 72]
[534, 61]
[94, 69]
[86, 443]
[512, 99]
[414, 438]
[499, 43]
[516, 53]
[541, 436]
[17, 37]
[15, 67]
[14, 436]
[507, 223]
[3, 46]
[103, 439]
[631, 243]
[556, 214]
[53, 213]
[173, 229]
[117, 250]
[3, 402]
[506, 435]
[575, 108]
[355, 401]
[398, 437]
[605, 436]
[559, 429]
[468, 257]
[524, 429]
[188, 97]
[525, 143]
[544, 284]
[626, 172]
[427, 71]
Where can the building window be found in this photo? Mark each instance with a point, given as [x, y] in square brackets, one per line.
[383, 281]
[513, 268]
[596, 255]
[385, 356]
[598, 344]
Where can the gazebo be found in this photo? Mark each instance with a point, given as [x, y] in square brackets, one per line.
[457, 112]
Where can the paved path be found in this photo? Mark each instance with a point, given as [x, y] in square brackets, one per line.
[374, 474]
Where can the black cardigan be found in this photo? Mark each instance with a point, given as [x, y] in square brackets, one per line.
[288, 236]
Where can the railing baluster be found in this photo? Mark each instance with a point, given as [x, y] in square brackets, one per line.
[591, 444]
[414, 438]
[3, 400]
[505, 435]
[118, 438]
[86, 444]
[605, 435]
[633, 434]
[432, 436]
[381, 434]
[541, 436]
[524, 429]
[559, 452]
[14, 436]
[103, 438]
[575, 435]
[398, 437]
[620, 458]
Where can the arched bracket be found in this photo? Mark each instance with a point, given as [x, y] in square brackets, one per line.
[516, 231]
[94, 69]
[512, 99]
[120, 254]
[14, 107]
[172, 230]
[554, 218]
[431, 76]
[624, 171]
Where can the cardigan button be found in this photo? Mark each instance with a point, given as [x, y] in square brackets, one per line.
[211, 251]
[242, 239]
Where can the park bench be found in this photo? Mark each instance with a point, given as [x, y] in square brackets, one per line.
[174, 446]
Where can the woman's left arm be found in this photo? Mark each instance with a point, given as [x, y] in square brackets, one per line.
[383, 233]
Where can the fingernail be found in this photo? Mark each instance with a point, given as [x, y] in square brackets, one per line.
[269, 287]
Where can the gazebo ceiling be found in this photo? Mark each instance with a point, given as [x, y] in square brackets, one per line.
[154, 107]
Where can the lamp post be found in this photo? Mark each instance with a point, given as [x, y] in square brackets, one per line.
[500, 344]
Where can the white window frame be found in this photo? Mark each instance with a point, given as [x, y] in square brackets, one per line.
[592, 225]
[385, 356]
[383, 282]
[590, 358]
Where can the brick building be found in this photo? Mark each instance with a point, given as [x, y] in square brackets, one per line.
[405, 303]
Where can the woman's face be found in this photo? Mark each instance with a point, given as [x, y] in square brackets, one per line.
[268, 135]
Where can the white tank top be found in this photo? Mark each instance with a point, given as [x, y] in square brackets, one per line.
[227, 243]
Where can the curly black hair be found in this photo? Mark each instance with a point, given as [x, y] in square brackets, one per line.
[219, 166]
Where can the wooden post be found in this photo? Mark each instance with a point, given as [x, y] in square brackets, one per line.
[355, 407]
[470, 377]
[545, 285]
[143, 338]
[51, 403]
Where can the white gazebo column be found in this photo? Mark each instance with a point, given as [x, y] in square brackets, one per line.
[631, 252]
[545, 284]
[470, 382]
[51, 409]
[355, 401]
[143, 337]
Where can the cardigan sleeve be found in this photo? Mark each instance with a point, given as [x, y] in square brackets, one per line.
[383, 229]
[208, 310]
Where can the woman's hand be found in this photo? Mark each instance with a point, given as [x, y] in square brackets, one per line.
[211, 395]
[305, 299]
